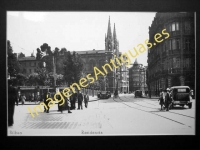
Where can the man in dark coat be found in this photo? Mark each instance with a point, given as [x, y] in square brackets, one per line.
[12, 98]
[74, 97]
[80, 100]
[46, 96]
[167, 100]
[86, 99]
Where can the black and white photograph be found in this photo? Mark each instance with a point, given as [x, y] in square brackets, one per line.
[99, 73]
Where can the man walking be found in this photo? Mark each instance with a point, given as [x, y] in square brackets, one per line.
[74, 97]
[167, 99]
[161, 99]
[12, 98]
[86, 99]
[80, 100]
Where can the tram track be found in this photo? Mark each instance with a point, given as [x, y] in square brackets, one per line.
[124, 102]
[156, 109]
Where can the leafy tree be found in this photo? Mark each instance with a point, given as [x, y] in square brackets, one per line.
[33, 79]
[21, 55]
[13, 64]
[21, 79]
[42, 76]
[73, 67]
[39, 54]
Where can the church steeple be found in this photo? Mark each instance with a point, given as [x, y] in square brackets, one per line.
[109, 33]
[109, 39]
[115, 42]
[114, 34]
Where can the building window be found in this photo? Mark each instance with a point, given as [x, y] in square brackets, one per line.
[170, 45]
[187, 26]
[177, 26]
[178, 43]
[169, 28]
[174, 63]
[173, 26]
[178, 62]
[187, 44]
[174, 44]
[187, 62]
[30, 70]
[24, 70]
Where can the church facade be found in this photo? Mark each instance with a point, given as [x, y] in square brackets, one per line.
[115, 79]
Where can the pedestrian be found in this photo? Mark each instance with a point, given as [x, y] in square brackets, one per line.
[19, 97]
[80, 100]
[23, 99]
[67, 101]
[32, 97]
[44, 100]
[29, 97]
[47, 102]
[167, 99]
[12, 99]
[74, 100]
[149, 94]
[86, 99]
[161, 98]
[71, 101]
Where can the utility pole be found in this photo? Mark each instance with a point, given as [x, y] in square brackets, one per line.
[54, 72]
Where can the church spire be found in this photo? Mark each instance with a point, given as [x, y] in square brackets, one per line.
[114, 33]
[109, 34]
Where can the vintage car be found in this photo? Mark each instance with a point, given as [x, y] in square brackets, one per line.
[104, 95]
[138, 93]
[180, 95]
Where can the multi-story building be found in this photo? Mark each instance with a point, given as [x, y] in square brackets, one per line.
[137, 77]
[172, 61]
[28, 64]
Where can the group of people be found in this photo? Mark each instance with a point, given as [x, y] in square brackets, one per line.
[70, 103]
[165, 99]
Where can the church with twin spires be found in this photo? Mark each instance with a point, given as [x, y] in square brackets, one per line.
[97, 58]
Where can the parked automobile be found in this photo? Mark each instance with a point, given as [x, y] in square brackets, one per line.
[104, 95]
[180, 96]
[138, 93]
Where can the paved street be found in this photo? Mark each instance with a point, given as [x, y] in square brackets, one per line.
[122, 116]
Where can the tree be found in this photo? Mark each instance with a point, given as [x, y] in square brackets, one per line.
[42, 76]
[21, 79]
[39, 54]
[13, 64]
[21, 55]
[33, 79]
[73, 67]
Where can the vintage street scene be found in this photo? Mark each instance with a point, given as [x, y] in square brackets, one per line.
[100, 73]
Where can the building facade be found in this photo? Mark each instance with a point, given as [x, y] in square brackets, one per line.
[137, 77]
[172, 61]
[28, 64]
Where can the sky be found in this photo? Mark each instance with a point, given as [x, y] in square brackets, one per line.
[77, 30]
